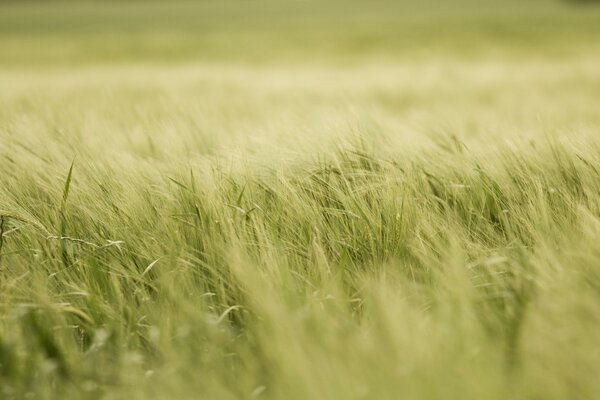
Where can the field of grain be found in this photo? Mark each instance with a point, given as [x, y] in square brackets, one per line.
[300, 200]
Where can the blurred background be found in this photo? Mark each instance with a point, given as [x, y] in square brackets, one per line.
[178, 80]
[34, 33]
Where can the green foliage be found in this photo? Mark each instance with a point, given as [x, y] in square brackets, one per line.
[358, 221]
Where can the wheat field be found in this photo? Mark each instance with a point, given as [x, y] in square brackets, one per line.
[300, 200]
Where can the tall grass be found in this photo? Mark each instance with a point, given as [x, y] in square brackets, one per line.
[418, 228]
[357, 277]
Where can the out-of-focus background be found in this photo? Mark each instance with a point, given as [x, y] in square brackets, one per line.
[155, 79]
[87, 32]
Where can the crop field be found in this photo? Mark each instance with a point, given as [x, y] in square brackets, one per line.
[300, 200]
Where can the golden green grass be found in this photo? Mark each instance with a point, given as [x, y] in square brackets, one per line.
[296, 200]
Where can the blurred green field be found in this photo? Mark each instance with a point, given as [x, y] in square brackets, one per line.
[66, 33]
[299, 200]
